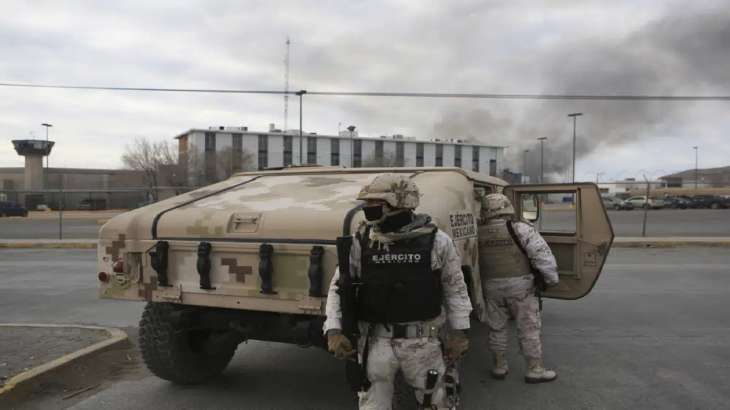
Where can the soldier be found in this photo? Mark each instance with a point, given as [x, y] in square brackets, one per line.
[511, 254]
[411, 286]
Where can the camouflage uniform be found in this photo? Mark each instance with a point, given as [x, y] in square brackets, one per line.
[509, 285]
[414, 356]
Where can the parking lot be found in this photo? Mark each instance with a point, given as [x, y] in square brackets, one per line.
[661, 223]
[652, 334]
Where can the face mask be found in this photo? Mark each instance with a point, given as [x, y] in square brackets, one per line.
[395, 221]
[373, 213]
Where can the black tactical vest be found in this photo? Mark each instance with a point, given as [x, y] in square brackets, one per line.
[398, 285]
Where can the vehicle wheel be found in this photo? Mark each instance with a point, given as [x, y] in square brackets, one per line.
[617, 207]
[404, 396]
[175, 354]
[714, 206]
[645, 206]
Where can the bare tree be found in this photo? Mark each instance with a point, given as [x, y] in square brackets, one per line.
[151, 157]
[230, 161]
[386, 160]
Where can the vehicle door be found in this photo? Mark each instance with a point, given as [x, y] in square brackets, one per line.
[574, 222]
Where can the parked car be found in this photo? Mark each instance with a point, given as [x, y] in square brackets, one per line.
[709, 201]
[12, 209]
[641, 202]
[677, 202]
[94, 204]
[611, 202]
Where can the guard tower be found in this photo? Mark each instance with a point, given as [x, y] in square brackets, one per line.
[33, 151]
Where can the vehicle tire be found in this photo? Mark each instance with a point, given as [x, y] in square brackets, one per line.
[714, 206]
[176, 354]
[404, 396]
[617, 207]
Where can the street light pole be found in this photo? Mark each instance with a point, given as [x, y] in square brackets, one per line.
[696, 148]
[542, 152]
[524, 167]
[351, 128]
[300, 93]
[47, 125]
[575, 115]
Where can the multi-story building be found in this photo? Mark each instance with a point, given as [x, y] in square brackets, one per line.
[213, 154]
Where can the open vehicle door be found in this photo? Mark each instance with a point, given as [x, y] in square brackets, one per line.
[574, 222]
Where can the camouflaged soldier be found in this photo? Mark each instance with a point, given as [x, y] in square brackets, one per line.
[510, 255]
[412, 285]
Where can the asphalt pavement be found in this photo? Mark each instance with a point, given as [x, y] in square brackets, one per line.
[660, 223]
[652, 334]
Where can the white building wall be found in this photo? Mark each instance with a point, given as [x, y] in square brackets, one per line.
[448, 155]
[389, 149]
[409, 151]
[485, 154]
[429, 155]
[223, 141]
[345, 150]
[466, 157]
[250, 144]
[295, 149]
[276, 151]
[324, 151]
[368, 150]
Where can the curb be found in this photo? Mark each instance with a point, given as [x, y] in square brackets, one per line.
[671, 243]
[115, 336]
[47, 245]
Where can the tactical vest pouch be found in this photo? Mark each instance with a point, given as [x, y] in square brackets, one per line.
[398, 284]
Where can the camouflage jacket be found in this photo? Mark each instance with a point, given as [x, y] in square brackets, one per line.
[538, 251]
[444, 256]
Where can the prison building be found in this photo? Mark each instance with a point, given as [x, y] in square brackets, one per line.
[215, 153]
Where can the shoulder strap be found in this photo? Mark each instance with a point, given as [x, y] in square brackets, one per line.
[516, 240]
[539, 279]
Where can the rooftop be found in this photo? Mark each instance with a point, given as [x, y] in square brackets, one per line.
[295, 133]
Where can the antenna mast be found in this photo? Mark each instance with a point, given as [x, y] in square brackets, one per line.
[286, 85]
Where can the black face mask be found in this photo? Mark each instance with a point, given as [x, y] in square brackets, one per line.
[394, 222]
[373, 213]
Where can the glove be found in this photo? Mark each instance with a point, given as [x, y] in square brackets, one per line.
[456, 345]
[339, 345]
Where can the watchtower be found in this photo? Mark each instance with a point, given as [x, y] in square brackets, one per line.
[33, 151]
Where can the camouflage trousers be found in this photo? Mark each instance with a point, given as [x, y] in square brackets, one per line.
[514, 297]
[414, 357]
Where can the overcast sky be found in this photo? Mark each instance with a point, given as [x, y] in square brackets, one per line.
[581, 47]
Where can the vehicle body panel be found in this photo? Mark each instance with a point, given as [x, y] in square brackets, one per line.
[581, 253]
[293, 210]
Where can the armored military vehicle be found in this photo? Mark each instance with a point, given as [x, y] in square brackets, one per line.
[251, 257]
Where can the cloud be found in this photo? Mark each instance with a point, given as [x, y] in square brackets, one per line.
[461, 46]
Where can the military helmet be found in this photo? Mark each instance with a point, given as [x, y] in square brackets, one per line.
[396, 189]
[494, 205]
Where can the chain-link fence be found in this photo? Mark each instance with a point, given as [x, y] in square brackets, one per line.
[72, 213]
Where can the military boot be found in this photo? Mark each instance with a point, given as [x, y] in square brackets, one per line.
[500, 369]
[537, 373]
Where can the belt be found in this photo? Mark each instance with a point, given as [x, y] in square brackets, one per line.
[410, 331]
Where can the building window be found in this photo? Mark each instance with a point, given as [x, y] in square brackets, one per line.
[263, 151]
[311, 150]
[457, 156]
[209, 141]
[210, 159]
[439, 155]
[400, 157]
[419, 154]
[334, 151]
[493, 167]
[237, 153]
[475, 159]
[357, 153]
[379, 150]
[288, 144]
